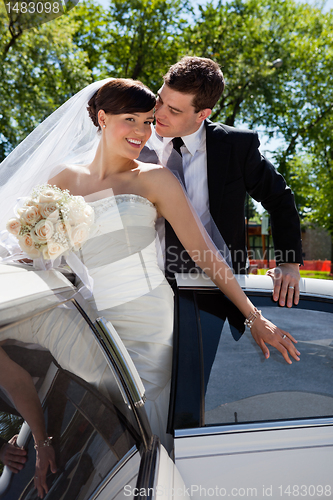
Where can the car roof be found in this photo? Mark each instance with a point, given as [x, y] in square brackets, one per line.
[311, 286]
[23, 289]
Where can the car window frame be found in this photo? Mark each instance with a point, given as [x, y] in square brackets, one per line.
[184, 385]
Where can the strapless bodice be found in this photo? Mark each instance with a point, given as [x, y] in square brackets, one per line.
[121, 253]
[104, 204]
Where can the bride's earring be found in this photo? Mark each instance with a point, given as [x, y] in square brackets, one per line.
[104, 126]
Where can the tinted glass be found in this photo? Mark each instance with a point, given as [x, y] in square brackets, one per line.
[242, 386]
[90, 438]
[94, 431]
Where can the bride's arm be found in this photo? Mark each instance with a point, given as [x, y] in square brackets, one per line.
[19, 385]
[173, 205]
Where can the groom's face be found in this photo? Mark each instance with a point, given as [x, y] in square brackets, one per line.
[175, 115]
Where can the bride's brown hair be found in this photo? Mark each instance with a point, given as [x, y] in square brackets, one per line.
[120, 96]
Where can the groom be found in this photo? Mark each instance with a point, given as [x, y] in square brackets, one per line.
[220, 164]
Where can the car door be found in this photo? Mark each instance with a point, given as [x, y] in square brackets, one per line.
[101, 435]
[245, 426]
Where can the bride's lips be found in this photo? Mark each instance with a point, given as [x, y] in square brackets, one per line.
[136, 143]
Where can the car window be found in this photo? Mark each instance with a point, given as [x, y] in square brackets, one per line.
[225, 379]
[243, 387]
[91, 437]
[94, 430]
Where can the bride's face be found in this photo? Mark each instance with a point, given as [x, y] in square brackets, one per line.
[126, 134]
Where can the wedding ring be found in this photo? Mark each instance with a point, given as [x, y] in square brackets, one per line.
[291, 287]
[36, 477]
[284, 336]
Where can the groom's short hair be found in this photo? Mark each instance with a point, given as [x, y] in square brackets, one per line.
[199, 76]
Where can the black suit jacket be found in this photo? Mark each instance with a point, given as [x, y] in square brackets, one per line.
[235, 166]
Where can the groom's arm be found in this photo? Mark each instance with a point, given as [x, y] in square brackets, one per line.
[267, 186]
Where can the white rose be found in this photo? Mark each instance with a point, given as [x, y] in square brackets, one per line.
[29, 202]
[80, 234]
[13, 226]
[74, 214]
[79, 199]
[28, 246]
[42, 231]
[63, 228]
[48, 196]
[49, 211]
[53, 250]
[80, 212]
[89, 215]
[31, 215]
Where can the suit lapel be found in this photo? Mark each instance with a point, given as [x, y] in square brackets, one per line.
[218, 155]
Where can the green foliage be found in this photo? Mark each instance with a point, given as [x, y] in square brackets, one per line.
[42, 67]
[246, 37]
[294, 101]
[311, 178]
[132, 39]
[250, 210]
[322, 275]
[39, 70]
[9, 426]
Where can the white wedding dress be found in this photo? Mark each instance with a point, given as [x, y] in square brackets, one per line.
[129, 290]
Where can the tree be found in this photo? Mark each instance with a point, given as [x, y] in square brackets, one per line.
[133, 39]
[311, 177]
[39, 70]
[10, 425]
[44, 66]
[246, 37]
[250, 210]
[294, 101]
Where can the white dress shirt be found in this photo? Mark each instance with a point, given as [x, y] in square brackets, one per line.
[195, 174]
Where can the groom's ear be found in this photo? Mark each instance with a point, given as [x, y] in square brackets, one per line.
[203, 114]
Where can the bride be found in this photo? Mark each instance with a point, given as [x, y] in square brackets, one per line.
[127, 196]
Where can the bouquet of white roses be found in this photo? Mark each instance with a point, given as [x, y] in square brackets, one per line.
[51, 222]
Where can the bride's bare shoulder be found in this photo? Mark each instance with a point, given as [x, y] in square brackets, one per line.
[157, 180]
[148, 167]
[67, 175]
[155, 172]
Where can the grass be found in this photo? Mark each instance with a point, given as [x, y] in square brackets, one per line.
[323, 275]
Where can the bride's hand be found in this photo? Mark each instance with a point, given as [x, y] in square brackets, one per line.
[45, 458]
[264, 332]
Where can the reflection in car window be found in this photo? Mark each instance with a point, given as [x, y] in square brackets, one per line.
[90, 436]
[243, 386]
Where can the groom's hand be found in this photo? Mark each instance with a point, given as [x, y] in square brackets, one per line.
[286, 283]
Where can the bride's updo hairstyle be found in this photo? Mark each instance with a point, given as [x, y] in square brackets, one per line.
[120, 96]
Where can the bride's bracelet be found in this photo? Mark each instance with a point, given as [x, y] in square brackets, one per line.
[252, 317]
[43, 443]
